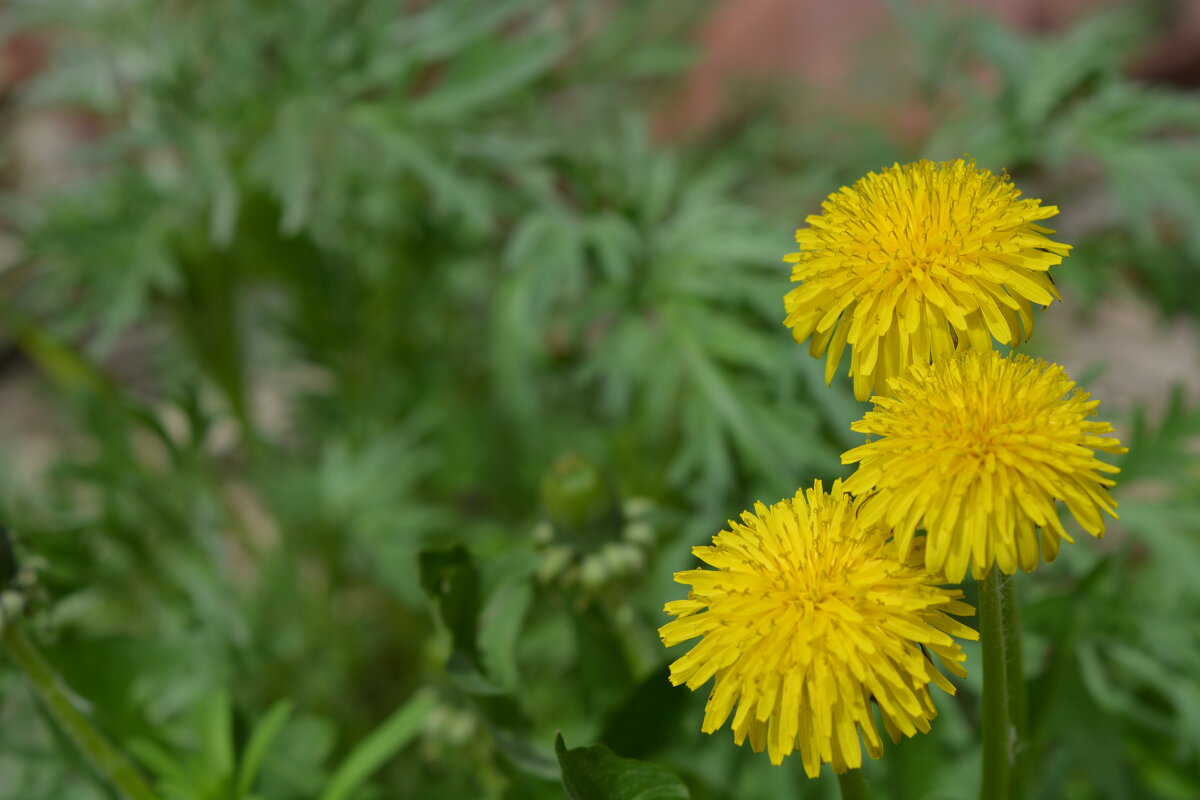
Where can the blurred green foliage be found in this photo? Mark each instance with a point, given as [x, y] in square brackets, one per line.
[397, 370]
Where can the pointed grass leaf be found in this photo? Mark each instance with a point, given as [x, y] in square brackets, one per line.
[215, 721]
[261, 739]
[380, 746]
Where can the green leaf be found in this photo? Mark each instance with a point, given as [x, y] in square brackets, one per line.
[1160, 451]
[451, 580]
[297, 758]
[215, 718]
[381, 745]
[525, 755]
[64, 366]
[499, 626]
[596, 773]
[496, 72]
[158, 760]
[261, 738]
[647, 716]
[1098, 681]
[445, 29]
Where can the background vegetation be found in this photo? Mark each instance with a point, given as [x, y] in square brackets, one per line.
[393, 369]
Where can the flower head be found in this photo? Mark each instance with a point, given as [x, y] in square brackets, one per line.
[917, 261]
[976, 451]
[807, 618]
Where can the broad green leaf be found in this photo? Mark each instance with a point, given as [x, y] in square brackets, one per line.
[526, 755]
[500, 625]
[596, 773]
[451, 580]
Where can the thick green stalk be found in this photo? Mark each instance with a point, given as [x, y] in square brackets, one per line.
[1018, 703]
[854, 785]
[108, 762]
[996, 781]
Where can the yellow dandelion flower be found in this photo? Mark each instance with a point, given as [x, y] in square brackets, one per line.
[915, 262]
[976, 451]
[808, 617]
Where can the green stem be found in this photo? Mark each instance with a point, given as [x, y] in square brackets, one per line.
[1018, 703]
[996, 782]
[854, 785]
[108, 762]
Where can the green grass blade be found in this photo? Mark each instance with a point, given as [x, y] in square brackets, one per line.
[382, 744]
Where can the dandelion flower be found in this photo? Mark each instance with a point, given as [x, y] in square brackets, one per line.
[914, 262]
[976, 451]
[808, 618]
